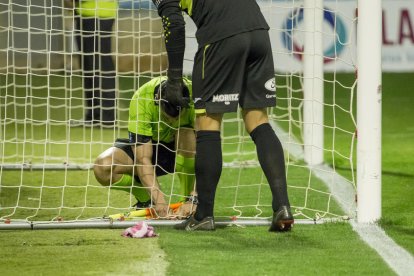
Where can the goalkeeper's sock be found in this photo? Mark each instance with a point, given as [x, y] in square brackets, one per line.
[208, 166]
[125, 183]
[185, 168]
[271, 158]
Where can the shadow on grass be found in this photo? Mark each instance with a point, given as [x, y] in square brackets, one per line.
[384, 172]
[397, 225]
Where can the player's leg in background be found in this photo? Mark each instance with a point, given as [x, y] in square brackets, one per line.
[106, 71]
[271, 158]
[85, 38]
[184, 162]
[115, 168]
[208, 162]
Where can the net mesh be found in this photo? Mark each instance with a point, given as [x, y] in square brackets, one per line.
[46, 161]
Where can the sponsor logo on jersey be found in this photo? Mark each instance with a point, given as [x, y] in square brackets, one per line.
[226, 98]
[271, 85]
[269, 96]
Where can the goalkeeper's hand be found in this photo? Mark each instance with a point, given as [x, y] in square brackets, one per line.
[161, 211]
[174, 89]
[185, 210]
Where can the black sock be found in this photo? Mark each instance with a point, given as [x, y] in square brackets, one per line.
[208, 166]
[271, 158]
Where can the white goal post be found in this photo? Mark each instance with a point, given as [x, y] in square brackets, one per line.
[46, 179]
[369, 112]
[369, 35]
[313, 82]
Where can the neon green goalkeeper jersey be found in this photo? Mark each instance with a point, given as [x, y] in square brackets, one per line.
[146, 118]
[97, 8]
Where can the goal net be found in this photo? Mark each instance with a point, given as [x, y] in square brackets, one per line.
[46, 157]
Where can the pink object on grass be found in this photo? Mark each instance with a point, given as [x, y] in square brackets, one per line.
[139, 230]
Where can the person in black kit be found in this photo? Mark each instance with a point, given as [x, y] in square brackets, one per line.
[233, 66]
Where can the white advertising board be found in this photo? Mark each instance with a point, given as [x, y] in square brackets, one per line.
[339, 35]
[285, 18]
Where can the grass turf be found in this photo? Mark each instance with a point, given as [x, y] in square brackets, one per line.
[322, 249]
[331, 249]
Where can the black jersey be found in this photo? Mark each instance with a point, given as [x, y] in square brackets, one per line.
[218, 19]
[215, 20]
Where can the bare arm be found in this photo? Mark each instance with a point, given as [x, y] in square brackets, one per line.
[146, 173]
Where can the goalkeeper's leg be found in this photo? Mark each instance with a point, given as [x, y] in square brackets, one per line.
[184, 166]
[114, 168]
[271, 158]
[184, 161]
[208, 163]
[208, 166]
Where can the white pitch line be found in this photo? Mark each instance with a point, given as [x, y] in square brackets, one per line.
[398, 259]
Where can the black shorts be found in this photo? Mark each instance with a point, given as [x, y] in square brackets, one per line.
[163, 157]
[235, 71]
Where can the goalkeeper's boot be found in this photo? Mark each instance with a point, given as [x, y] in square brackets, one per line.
[191, 224]
[282, 220]
[142, 205]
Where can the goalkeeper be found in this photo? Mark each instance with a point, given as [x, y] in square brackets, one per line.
[232, 67]
[161, 141]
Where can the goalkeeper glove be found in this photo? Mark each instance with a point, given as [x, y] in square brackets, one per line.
[174, 89]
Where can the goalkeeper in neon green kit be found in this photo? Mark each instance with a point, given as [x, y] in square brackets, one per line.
[161, 141]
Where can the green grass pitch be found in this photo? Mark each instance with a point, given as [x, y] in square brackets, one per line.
[308, 250]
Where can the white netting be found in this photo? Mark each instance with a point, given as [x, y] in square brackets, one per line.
[45, 163]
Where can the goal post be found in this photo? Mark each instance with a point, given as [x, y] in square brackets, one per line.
[369, 111]
[313, 79]
[46, 175]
